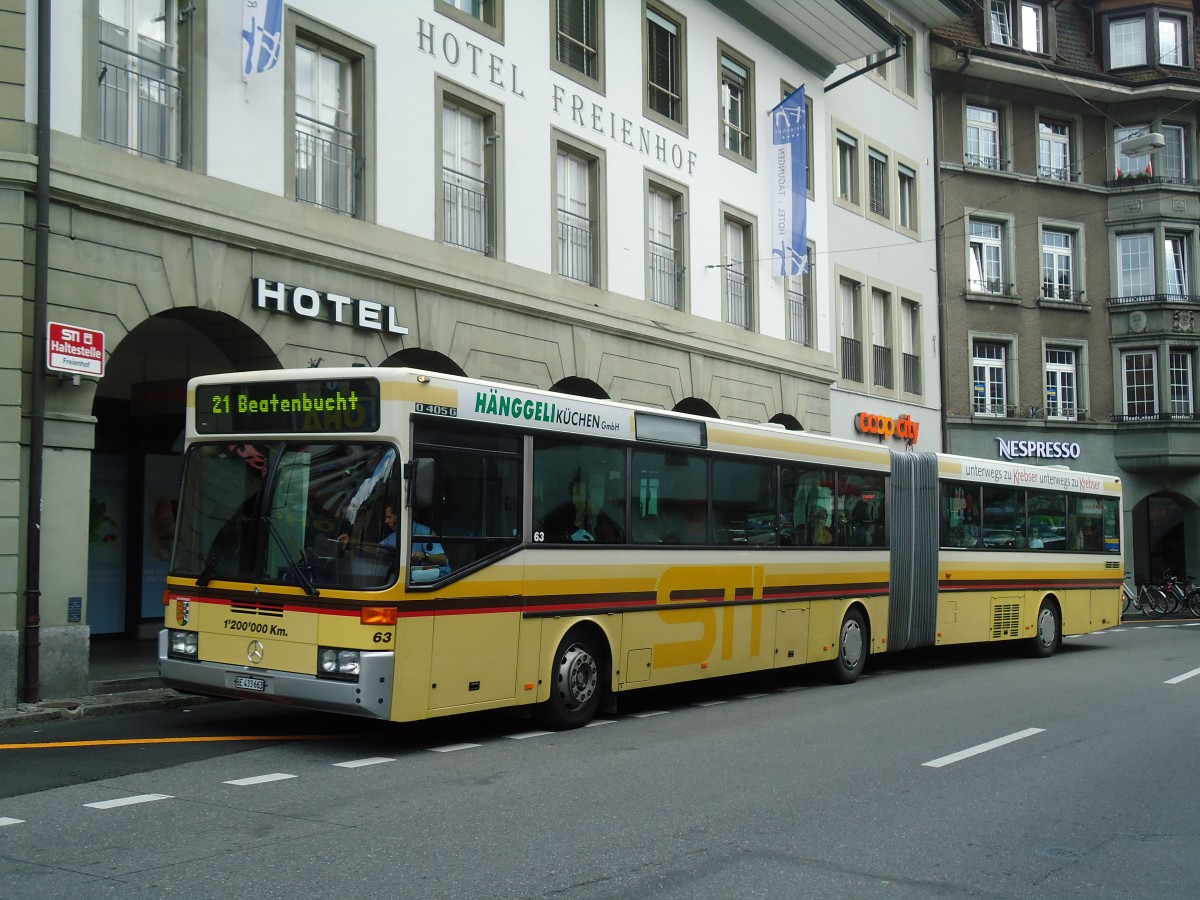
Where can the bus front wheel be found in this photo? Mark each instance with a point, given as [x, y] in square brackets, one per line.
[576, 683]
[852, 649]
[1049, 631]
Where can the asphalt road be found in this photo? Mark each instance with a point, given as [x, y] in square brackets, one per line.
[940, 774]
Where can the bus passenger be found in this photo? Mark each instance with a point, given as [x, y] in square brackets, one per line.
[818, 532]
[578, 520]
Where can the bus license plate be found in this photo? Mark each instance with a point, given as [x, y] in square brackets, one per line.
[246, 683]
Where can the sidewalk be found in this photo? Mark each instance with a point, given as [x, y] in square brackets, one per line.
[124, 678]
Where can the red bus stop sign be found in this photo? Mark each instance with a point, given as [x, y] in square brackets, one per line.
[79, 351]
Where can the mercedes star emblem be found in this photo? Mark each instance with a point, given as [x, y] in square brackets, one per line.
[254, 652]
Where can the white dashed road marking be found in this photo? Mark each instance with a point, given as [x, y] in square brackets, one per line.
[127, 801]
[981, 748]
[4, 820]
[527, 734]
[260, 779]
[450, 748]
[1184, 677]
[370, 761]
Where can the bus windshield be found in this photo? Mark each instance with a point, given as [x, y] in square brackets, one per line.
[288, 513]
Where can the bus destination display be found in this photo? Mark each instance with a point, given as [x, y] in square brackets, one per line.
[288, 407]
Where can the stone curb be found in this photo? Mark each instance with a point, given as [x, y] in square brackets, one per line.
[99, 705]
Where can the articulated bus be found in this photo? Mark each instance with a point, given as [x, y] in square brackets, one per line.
[402, 544]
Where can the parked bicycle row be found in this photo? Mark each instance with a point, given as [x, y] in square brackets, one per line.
[1174, 595]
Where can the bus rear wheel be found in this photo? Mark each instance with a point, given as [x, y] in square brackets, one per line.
[1049, 632]
[852, 649]
[576, 683]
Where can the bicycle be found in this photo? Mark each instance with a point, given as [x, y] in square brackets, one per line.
[1149, 600]
[1179, 595]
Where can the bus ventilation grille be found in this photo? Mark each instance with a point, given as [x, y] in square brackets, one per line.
[1006, 620]
[1114, 564]
[258, 609]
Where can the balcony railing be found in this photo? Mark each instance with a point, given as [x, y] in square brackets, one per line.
[978, 161]
[989, 286]
[1060, 294]
[737, 297]
[881, 366]
[799, 326]
[852, 359]
[1157, 417]
[1153, 298]
[326, 165]
[665, 275]
[912, 373]
[574, 246]
[1141, 179]
[465, 211]
[140, 104]
[1064, 173]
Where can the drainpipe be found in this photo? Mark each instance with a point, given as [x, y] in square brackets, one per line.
[37, 393]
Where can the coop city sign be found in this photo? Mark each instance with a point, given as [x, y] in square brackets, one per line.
[902, 429]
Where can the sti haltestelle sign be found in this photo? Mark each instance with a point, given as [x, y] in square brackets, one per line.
[79, 351]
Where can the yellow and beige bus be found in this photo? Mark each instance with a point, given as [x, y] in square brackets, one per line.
[402, 544]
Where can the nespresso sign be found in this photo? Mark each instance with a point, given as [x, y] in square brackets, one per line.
[1038, 449]
[306, 303]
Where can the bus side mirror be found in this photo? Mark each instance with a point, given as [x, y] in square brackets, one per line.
[420, 483]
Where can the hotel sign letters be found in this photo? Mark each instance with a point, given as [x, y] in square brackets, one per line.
[306, 303]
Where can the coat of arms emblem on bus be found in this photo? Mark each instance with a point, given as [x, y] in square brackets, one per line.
[183, 610]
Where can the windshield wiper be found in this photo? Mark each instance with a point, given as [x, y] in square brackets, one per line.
[293, 566]
[219, 551]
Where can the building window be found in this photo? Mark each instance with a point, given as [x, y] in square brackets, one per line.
[1176, 280]
[1058, 266]
[851, 329]
[881, 339]
[983, 138]
[877, 182]
[467, 192]
[847, 171]
[1172, 159]
[1183, 383]
[664, 65]
[989, 363]
[906, 197]
[578, 37]
[664, 250]
[1127, 42]
[1062, 397]
[326, 161]
[1170, 41]
[737, 103]
[1131, 165]
[905, 66]
[737, 253]
[1033, 28]
[987, 257]
[1139, 383]
[140, 79]
[910, 338]
[1054, 150]
[575, 217]
[484, 16]
[1135, 254]
[1001, 23]
[799, 304]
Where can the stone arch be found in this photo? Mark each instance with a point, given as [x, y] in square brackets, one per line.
[788, 421]
[696, 407]
[136, 456]
[429, 360]
[580, 387]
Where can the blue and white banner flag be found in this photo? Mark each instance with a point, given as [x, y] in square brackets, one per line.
[789, 184]
[262, 35]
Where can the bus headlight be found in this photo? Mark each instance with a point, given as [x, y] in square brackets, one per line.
[185, 644]
[335, 663]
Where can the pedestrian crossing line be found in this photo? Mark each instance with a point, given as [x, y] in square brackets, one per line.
[260, 779]
[369, 761]
[5, 820]
[127, 801]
